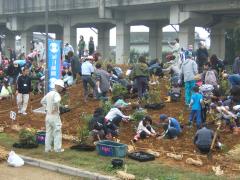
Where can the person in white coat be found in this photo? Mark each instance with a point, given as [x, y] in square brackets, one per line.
[144, 129]
[51, 102]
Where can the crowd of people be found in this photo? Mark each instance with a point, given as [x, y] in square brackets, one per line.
[204, 79]
[209, 91]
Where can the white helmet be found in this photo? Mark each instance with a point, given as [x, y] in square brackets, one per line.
[59, 82]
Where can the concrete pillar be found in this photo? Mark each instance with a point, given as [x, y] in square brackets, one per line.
[155, 41]
[103, 41]
[218, 42]
[122, 42]
[69, 34]
[186, 35]
[26, 38]
[59, 35]
[10, 40]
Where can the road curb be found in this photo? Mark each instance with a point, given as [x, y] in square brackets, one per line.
[65, 169]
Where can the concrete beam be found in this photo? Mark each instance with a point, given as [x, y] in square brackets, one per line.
[69, 33]
[103, 41]
[26, 38]
[218, 42]
[155, 41]
[24, 7]
[122, 42]
[177, 16]
[88, 19]
[103, 12]
[59, 35]
[14, 23]
[114, 3]
[10, 41]
[30, 22]
[143, 15]
[3, 20]
[216, 5]
[186, 35]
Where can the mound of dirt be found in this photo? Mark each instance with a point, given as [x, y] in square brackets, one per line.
[74, 119]
[3, 154]
[234, 153]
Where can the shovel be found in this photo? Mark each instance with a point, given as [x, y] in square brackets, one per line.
[209, 155]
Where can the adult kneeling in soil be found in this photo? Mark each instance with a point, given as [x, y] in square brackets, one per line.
[203, 139]
[114, 117]
[51, 102]
[96, 125]
[171, 127]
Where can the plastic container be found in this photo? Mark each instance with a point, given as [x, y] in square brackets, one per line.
[141, 156]
[111, 148]
[40, 137]
[117, 163]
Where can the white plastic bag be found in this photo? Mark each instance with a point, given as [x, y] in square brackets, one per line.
[15, 160]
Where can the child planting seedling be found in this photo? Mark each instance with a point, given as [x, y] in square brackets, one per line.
[144, 129]
[171, 126]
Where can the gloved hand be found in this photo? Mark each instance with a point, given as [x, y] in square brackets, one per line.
[99, 90]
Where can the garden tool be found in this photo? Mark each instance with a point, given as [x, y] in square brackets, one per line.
[133, 145]
[209, 155]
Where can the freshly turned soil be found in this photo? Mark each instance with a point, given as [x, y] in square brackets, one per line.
[184, 144]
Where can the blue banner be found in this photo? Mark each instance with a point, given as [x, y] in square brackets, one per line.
[54, 61]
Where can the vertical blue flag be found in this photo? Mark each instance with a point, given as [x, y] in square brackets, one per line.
[54, 61]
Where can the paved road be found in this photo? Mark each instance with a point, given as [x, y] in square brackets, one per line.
[30, 173]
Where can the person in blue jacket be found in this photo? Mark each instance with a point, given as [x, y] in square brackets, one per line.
[171, 126]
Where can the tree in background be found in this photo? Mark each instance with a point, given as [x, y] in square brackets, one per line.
[232, 40]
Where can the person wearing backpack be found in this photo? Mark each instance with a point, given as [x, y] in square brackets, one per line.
[209, 75]
[189, 70]
[140, 75]
[96, 125]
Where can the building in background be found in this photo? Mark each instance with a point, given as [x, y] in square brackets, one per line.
[139, 43]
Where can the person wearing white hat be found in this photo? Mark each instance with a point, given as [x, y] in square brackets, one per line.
[115, 114]
[51, 103]
[87, 70]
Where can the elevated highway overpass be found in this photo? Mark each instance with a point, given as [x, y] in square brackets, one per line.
[26, 16]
